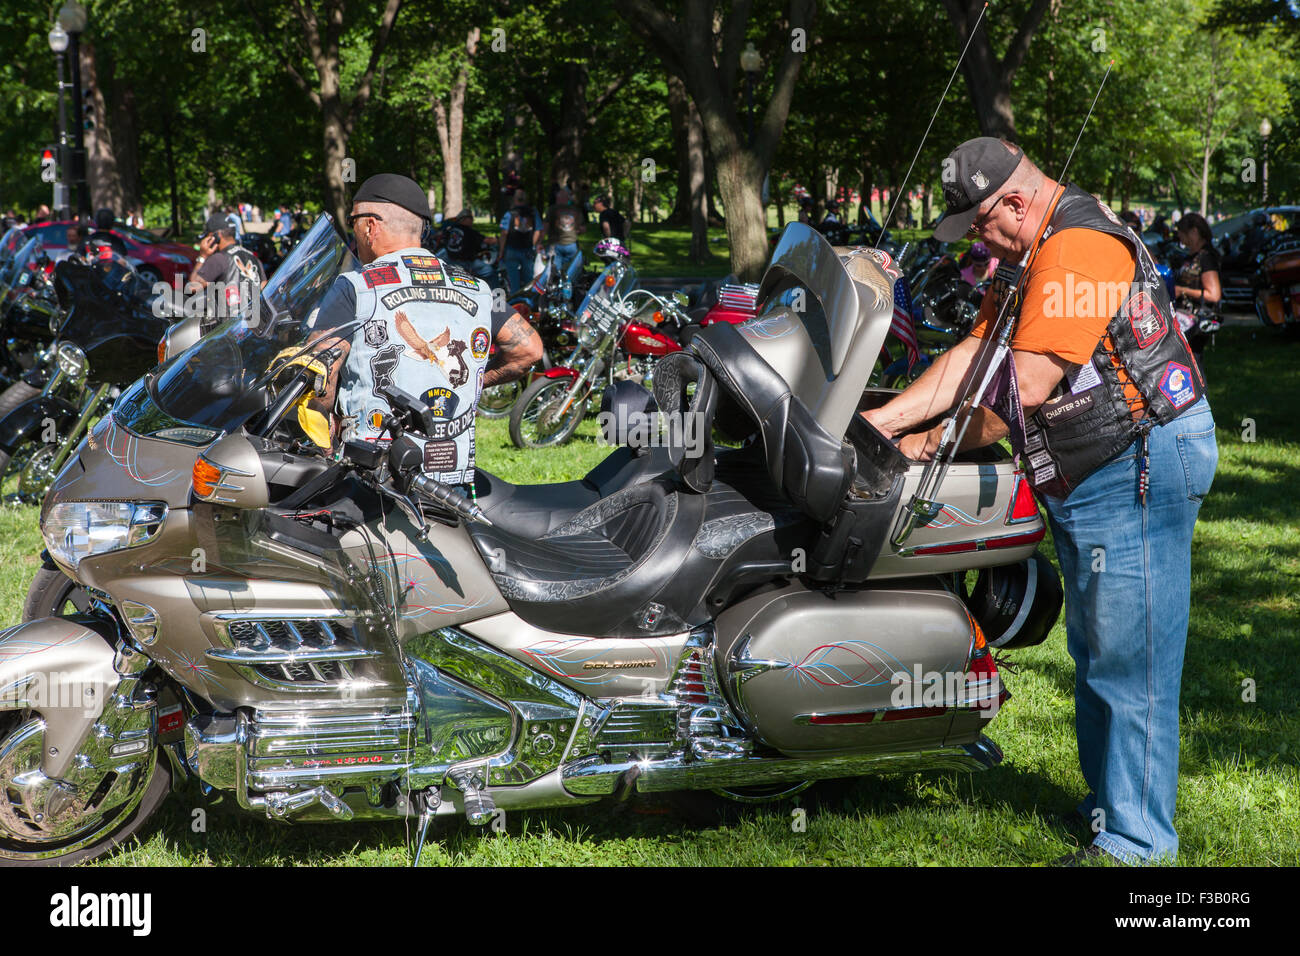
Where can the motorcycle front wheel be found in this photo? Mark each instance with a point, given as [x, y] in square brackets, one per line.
[496, 402]
[53, 594]
[30, 836]
[535, 420]
[25, 473]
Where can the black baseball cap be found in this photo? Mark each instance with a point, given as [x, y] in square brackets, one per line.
[398, 190]
[978, 169]
[216, 223]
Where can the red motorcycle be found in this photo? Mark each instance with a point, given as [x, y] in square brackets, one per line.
[622, 331]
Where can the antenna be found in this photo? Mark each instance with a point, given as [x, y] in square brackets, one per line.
[923, 504]
[884, 226]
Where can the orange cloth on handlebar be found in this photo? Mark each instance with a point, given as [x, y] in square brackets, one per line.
[1074, 287]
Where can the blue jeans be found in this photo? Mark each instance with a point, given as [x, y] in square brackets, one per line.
[1127, 571]
[519, 268]
[564, 254]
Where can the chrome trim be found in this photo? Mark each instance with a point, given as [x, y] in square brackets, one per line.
[593, 777]
[981, 544]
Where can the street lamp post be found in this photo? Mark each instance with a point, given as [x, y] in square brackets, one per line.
[72, 18]
[1265, 128]
[751, 62]
[59, 45]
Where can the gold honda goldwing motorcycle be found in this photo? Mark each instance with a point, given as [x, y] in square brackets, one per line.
[327, 634]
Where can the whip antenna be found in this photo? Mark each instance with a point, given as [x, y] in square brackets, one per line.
[933, 116]
[924, 504]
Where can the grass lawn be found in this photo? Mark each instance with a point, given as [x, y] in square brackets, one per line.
[1239, 795]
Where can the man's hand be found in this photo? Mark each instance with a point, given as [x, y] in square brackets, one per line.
[921, 446]
[208, 245]
[876, 417]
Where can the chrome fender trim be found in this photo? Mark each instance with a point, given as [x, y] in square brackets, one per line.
[63, 667]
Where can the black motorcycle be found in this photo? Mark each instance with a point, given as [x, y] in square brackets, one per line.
[106, 335]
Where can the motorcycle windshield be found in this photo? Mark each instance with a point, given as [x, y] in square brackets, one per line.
[13, 274]
[823, 318]
[221, 381]
[618, 279]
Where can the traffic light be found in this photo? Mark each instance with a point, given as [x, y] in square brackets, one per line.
[88, 108]
[51, 163]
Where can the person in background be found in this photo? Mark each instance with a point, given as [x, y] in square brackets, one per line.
[612, 223]
[103, 234]
[43, 214]
[223, 262]
[1197, 290]
[521, 230]
[977, 264]
[565, 221]
[462, 244]
[236, 221]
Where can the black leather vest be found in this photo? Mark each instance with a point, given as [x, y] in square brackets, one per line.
[1087, 421]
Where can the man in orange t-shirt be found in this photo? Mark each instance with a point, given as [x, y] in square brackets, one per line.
[1122, 528]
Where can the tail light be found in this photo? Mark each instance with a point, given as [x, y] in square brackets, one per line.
[1023, 505]
[162, 350]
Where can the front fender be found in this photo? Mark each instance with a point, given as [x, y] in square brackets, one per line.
[555, 371]
[28, 419]
[63, 667]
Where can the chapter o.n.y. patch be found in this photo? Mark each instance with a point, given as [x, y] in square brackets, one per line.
[443, 294]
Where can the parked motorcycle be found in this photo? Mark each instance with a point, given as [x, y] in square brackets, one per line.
[331, 635]
[27, 306]
[547, 305]
[622, 331]
[107, 337]
[1277, 281]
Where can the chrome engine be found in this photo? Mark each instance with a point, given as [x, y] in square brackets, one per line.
[480, 730]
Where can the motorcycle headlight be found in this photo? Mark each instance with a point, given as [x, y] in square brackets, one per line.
[74, 530]
[72, 361]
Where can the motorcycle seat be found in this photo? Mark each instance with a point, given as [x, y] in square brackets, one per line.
[601, 571]
[531, 511]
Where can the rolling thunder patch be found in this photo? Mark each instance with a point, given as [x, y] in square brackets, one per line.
[443, 294]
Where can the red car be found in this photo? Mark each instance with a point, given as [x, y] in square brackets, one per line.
[155, 259]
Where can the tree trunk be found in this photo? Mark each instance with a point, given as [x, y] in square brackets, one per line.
[450, 121]
[126, 143]
[101, 163]
[988, 77]
[738, 182]
[335, 142]
[1205, 177]
[697, 186]
[679, 106]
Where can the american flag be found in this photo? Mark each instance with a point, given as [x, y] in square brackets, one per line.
[736, 296]
[901, 326]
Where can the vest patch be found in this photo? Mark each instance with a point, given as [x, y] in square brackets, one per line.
[1067, 407]
[1148, 322]
[380, 275]
[440, 456]
[382, 365]
[1083, 378]
[376, 332]
[425, 294]
[1176, 385]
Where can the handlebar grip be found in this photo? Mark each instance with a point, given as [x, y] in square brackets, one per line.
[449, 497]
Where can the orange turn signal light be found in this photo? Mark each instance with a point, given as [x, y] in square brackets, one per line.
[205, 477]
[609, 280]
[162, 350]
[658, 317]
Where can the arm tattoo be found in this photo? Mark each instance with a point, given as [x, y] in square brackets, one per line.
[518, 347]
